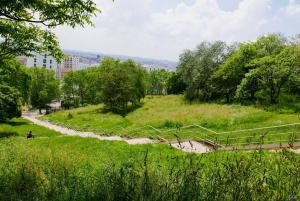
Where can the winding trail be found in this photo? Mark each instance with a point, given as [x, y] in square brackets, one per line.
[186, 146]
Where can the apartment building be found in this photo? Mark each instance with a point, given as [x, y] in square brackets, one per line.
[40, 60]
[71, 62]
[68, 64]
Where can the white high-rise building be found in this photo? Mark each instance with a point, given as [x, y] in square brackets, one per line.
[68, 64]
[40, 60]
[71, 61]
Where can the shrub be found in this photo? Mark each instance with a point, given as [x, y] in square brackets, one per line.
[10, 103]
[70, 115]
[172, 124]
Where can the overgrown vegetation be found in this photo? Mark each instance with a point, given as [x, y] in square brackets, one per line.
[72, 168]
[44, 88]
[116, 84]
[20, 85]
[10, 103]
[25, 27]
[261, 71]
[172, 112]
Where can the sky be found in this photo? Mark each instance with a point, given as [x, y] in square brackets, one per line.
[163, 29]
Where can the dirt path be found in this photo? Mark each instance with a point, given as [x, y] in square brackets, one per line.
[190, 146]
[186, 146]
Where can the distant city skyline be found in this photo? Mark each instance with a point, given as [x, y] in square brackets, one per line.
[163, 29]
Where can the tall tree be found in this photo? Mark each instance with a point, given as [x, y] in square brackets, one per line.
[137, 76]
[22, 22]
[117, 90]
[230, 74]
[81, 87]
[123, 83]
[238, 77]
[271, 73]
[10, 103]
[15, 75]
[44, 87]
[197, 67]
[157, 81]
[175, 84]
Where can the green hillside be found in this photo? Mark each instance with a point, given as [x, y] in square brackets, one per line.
[171, 114]
[55, 167]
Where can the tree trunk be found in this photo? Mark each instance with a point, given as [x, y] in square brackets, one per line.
[273, 98]
[252, 95]
[227, 98]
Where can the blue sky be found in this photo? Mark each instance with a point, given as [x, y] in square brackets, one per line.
[163, 29]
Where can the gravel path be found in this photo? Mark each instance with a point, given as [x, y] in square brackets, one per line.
[190, 146]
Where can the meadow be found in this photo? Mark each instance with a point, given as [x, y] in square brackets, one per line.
[171, 116]
[64, 168]
[20, 127]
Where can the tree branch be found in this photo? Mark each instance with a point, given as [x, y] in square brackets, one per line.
[9, 17]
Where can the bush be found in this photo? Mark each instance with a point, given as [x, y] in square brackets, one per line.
[172, 124]
[10, 103]
[70, 115]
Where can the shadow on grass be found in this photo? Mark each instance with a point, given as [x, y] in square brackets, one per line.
[123, 112]
[7, 128]
[8, 134]
[17, 123]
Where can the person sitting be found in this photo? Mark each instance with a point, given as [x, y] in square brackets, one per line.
[29, 135]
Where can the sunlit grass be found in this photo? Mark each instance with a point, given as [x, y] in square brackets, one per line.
[80, 169]
[171, 112]
[20, 127]
[63, 168]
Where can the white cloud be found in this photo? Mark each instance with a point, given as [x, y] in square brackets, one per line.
[132, 27]
[292, 8]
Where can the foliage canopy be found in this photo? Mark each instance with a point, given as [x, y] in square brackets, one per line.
[22, 24]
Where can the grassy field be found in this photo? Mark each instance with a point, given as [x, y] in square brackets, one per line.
[170, 114]
[20, 127]
[65, 168]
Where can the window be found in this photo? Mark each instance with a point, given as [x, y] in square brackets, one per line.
[44, 65]
[34, 65]
[50, 61]
[34, 59]
[50, 67]
[45, 55]
[44, 61]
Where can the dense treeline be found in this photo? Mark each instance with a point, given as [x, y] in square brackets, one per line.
[24, 30]
[36, 87]
[264, 71]
[120, 85]
[14, 88]
[82, 87]
[259, 71]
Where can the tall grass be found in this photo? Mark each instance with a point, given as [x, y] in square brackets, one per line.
[28, 173]
[171, 112]
[20, 127]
